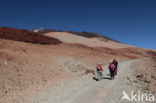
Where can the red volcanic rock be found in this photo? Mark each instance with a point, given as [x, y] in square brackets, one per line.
[26, 36]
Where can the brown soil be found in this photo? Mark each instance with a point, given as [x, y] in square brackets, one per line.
[145, 73]
[26, 36]
[27, 68]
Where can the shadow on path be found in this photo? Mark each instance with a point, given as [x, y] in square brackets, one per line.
[107, 78]
[94, 78]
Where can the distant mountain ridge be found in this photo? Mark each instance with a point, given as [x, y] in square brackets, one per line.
[84, 33]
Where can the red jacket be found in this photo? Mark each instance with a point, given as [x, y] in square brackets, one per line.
[99, 67]
[111, 66]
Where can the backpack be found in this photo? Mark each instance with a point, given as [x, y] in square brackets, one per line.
[99, 68]
[111, 66]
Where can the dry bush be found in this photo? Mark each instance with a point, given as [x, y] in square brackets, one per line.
[90, 71]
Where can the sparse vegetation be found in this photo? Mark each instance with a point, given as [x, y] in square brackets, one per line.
[90, 71]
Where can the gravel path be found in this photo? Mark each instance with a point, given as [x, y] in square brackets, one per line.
[87, 90]
[107, 91]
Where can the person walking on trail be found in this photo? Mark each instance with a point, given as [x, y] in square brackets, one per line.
[112, 69]
[116, 66]
[99, 71]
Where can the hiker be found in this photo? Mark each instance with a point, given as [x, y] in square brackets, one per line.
[116, 66]
[111, 70]
[99, 71]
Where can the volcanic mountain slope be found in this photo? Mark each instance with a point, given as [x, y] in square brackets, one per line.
[28, 69]
[82, 34]
[26, 36]
[91, 42]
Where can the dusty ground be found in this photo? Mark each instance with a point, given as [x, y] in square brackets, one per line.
[145, 74]
[33, 73]
[27, 68]
[128, 82]
[88, 90]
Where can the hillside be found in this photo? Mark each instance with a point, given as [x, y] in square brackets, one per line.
[91, 42]
[26, 36]
[83, 34]
[33, 73]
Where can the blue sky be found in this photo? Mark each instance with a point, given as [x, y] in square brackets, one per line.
[129, 21]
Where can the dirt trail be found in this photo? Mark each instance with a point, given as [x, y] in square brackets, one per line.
[99, 92]
[87, 90]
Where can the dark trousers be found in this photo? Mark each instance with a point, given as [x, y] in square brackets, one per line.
[112, 73]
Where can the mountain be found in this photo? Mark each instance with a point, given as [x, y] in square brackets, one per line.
[83, 34]
[26, 36]
[67, 37]
[43, 30]
[31, 73]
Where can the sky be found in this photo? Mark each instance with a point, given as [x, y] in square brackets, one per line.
[132, 22]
